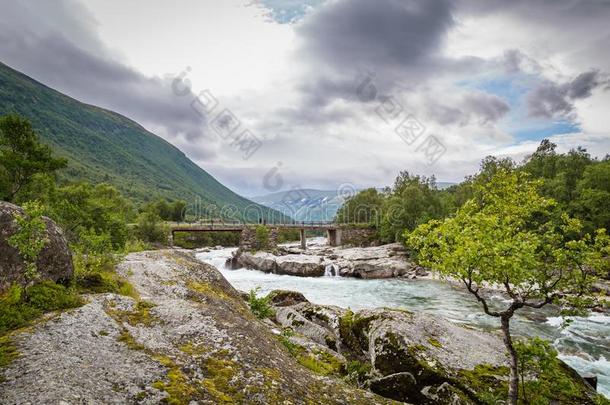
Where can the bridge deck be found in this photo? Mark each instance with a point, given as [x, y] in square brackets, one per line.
[221, 227]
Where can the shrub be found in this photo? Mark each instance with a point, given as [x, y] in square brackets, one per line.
[259, 306]
[357, 372]
[29, 240]
[16, 311]
[262, 237]
[150, 228]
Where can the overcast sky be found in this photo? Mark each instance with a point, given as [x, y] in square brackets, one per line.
[335, 91]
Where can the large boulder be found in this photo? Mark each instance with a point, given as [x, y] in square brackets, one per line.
[54, 262]
[292, 264]
[412, 357]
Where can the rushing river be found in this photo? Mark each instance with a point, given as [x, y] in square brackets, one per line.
[585, 344]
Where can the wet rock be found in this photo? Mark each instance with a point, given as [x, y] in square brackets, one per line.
[372, 262]
[300, 265]
[262, 261]
[54, 262]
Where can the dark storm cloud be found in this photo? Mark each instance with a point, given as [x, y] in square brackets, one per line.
[63, 53]
[551, 100]
[377, 33]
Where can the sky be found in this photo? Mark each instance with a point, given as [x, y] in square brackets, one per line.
[276, 95]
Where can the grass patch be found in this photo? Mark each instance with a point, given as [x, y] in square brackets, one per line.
[106, 281]
[321, 362]
[284, 338]
[218, 383]
[130, 341]
[207, 290]
[435, 343]
[47, 296]
[178, 388]
[357, 372]
[139, 316]
[8, 351]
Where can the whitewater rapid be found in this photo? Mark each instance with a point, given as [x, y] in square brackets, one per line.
[584, 344]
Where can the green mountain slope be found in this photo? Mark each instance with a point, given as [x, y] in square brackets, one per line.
[103, 146]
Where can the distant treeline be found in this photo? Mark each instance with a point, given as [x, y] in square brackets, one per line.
[580, 184]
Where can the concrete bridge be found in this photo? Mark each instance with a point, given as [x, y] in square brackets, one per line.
[334, 231]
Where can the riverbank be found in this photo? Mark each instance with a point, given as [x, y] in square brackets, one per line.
[583, 344]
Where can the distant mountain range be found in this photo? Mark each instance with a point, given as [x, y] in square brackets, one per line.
[103, 146]
[311, 204]
[304, 204]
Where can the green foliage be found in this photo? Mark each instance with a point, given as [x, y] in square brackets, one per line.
[412, 200]
[94, 266]
[544, 377]
[22, 156]
[200, 239]
[135, 245]
[259, 305]
[29, 239]
[366, 207]
[262, 237]
[170, 211]
[83, 208]
[287, 235]
[509, 235]
[150, 228]
[94, 273]
[358, 372]
[293, 348]
[579, 184]
[17, 311]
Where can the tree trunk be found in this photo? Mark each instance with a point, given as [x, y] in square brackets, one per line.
[513, 384]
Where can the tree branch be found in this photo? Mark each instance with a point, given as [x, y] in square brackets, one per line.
[475, 292]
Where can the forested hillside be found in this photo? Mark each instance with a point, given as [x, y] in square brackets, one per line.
[103, 146]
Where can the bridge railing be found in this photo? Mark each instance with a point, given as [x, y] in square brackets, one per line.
[219, 222]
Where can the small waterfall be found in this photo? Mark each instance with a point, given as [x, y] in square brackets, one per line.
[331, 270]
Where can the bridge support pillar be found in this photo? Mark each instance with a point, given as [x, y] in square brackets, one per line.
[333, 237]
[303, 239]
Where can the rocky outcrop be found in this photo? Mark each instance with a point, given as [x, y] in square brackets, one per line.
[410, 357]
[284, 298]
[292, 264]
[372, 262]
[188, 338]
[55, 259]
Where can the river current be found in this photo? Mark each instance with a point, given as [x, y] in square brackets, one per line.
[584, 344]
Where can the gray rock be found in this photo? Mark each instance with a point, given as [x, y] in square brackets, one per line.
[195, 335]
[54, 262]
[284, 298]
[372, 262]
[411, 357]
[396, 386]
